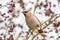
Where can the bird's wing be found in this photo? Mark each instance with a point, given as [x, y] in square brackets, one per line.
[39, 22]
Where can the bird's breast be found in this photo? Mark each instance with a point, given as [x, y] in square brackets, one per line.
[32, 22]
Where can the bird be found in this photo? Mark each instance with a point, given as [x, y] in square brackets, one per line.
[32, 21]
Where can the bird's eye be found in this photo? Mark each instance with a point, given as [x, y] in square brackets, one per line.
[24, 12]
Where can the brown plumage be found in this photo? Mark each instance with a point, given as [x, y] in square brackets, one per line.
[31, 20]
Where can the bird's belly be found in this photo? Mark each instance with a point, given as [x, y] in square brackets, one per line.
[32, 23]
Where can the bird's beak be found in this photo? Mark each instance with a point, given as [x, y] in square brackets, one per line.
[22, 11]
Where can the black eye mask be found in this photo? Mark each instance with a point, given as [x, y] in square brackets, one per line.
[24, 14]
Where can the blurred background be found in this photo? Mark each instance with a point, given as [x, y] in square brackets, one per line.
[12, 21]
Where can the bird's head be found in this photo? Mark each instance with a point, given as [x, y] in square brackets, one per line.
[27, 12]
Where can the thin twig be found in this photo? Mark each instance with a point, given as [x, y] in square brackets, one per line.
[27, 34]
[36, 5]
[34, 36]
[51, 21]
